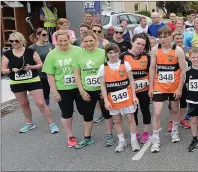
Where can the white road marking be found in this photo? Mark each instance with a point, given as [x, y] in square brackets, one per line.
[142, 151]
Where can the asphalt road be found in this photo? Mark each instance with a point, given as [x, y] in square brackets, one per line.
[38, 150]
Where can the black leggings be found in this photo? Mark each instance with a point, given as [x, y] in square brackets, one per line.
[46, 89]
[144, 102]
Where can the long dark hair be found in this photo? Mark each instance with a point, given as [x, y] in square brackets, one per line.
[146, 38]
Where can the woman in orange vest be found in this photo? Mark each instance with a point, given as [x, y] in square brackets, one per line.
[118, 90]
[140, 62]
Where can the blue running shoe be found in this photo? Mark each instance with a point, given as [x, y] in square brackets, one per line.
[53, 128]
[27, 127]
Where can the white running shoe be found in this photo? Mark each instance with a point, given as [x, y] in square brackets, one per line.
[175, 136]
[135, 146]
[121, 146]
[155, 147]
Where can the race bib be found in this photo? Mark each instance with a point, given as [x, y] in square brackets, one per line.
[164, 76]
[92, 81]
[193, 85]
[120, 96]
[141, 84]
[69, 79]
[25, 75]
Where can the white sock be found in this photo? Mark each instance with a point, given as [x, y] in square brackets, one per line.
[155, 134]
[175, 126]
[133, 136]
[121, 137]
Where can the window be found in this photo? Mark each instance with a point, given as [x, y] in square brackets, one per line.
[136, 6]
[132, 19]
[105, 20]
[123, 17]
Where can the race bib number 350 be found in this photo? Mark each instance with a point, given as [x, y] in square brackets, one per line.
[120, 96]
[164, 77]
[193, 85]
[92, 81]
[69, 79]
[141, 84]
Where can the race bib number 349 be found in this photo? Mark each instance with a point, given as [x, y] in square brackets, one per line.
[69, 79]
[120, 96]
[164, 77]
[193, 85]
[92, 81]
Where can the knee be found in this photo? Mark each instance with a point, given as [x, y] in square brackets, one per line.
[117, 121]
[175, 109]
[25, 105]
[41, 104]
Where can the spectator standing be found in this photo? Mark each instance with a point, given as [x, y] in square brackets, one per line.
[127, 34]
[143, 26]
[171, 24]
[191, 14]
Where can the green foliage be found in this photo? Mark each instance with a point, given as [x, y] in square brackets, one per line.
[145, 13]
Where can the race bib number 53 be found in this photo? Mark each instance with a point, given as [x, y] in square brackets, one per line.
[193, 85]
[120, 96]
[164, 77]
[92, 81]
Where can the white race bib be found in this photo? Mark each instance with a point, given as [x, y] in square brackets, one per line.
[120, 96]
[69, 79]
[25, 75]
[166, 76]
[141, 84]
[193, 85]
[92, 81]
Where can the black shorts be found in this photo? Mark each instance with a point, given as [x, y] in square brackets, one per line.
[193, 109]
[16, 88]
[161, 97]
[67, 103]
[88, 107]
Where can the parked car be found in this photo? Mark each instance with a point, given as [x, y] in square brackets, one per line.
[111, 19]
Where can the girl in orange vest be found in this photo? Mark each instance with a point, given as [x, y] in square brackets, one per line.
[118, 90]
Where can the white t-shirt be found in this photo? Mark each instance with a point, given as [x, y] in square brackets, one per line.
[189, 27]
[139, 29]
[114, 66]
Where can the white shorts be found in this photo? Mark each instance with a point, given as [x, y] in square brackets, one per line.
[123, 111]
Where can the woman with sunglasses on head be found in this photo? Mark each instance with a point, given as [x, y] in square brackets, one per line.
[63, 24]
[86, 66]
[43, 47]
[61, 80]
[139, 60]
[21, 65]
[124, 45]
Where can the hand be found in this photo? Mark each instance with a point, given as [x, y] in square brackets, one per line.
[85, 96]
[135, 100]
[28, 67]
[108, 105]
[150, 93]
[15, 70]
[57, 97]
[178, 94]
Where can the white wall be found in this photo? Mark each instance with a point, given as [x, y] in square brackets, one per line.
[117, 6]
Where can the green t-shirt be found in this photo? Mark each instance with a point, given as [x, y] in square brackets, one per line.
[58, 63]
[88, 63]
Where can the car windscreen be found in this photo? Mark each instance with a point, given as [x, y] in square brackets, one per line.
[105, 20]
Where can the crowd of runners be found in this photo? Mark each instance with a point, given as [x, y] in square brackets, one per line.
[154, 64]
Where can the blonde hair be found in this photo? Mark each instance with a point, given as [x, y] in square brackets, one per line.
[61, 32]
[89, 33]
[61, 22]
[19, 36]
[180, 19]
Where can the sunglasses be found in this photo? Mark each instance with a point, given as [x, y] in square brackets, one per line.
[45, 34]
[119, 32]
[12, 41]
[98, 31]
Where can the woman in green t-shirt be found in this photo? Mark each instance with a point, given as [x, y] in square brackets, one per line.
[86, 66]
[61, 79]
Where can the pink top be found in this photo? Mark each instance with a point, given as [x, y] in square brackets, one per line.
[71, 35]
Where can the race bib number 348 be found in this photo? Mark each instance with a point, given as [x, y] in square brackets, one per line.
[120, 96]
[164, 77]
[193, 85]
[92, 81]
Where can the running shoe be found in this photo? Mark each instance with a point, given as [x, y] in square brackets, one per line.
[84, 142]
[27, 127]
[175, 136]
[98, 119]
[155, 147]
[193, 146]
[53, 128]
[121, 146]
[71, 142]
[145, 137]
[138, 136]
[187, 117]
[170, 126]
[110, 140]
[184, 123]
[135, 146]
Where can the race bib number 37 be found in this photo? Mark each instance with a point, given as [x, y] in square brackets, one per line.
[92, 81]
[120, 96]
[193, 85]
[164, 77]
[69, 79]
[141, 84]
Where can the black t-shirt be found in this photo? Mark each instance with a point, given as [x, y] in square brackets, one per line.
[192, 83]
[17, 62]
[124, 45]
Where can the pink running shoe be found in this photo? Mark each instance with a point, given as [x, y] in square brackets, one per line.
[145, 137]
[138, 136]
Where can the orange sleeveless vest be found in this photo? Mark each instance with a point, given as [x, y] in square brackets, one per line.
[167, 71]
[118, 86]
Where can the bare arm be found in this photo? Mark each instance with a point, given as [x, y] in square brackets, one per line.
[52, 83]
[103, 89]
[43, 19]
[132, 82]
[152, 68]
[105, 42]
[131, 35]
[4, 66]
[78, 80]
[37, 60]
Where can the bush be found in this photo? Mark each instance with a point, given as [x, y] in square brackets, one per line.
[145, 13]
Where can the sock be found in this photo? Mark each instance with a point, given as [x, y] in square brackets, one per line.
[195, 138]
[175, 126]
[133, 136]
[87, 137]
[156, 134]
[121, 137]
[51, 124]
